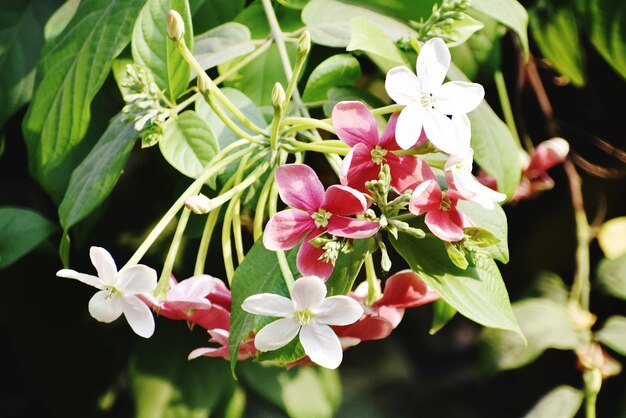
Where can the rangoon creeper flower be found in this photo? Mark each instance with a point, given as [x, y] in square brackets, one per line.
[356, 127]
[429, 100]
[315, 211]
[119, 291]
[309, 313]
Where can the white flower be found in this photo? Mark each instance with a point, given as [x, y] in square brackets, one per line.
[118, 291]
[428, 100]
[460, 167]
[309, 313]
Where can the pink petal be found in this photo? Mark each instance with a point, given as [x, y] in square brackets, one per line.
[352, 228]
[426, 196]
[286, 228]
[354, 124]
[388, 139]
[194, 287]
[358, 167]
[446, 225]
[407, 171]
[393, 315]
[308, 261]
[547, 154]
[299, 186]
[344, 200]
[406, 290]
[368, 328]
[216, 317]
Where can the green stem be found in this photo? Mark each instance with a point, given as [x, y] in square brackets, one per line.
[164, 281]
[372, 287]
[208, 96]
[207, 234]
[505, 103]
[387, 109]
[186, 103]
[301, 123]
[259, 212]
[285, 269]
[243, 62]
[322, 147]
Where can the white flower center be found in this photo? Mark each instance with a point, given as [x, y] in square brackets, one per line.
[427, 100]
[111, 291]
[303, 316]
[321, 218]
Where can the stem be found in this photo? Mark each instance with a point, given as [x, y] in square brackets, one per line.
[505, 103]
[208, 96]
[387, 109]
[372, 286]
[325, 147]
[243, 62]
[259, 212]
[285, 269]
[164, 281]
[186, 103]
[207, 234]
[301, 123]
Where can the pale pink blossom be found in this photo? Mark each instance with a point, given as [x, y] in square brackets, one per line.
[220, 337]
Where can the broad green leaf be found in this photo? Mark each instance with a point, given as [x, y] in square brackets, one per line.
[443, 312]
[608, 31]
[165, 384]
[549, 285]
[255, 19]
[21, 39]
[70, 72]
[613, 334]
[93, 180]
[347, 268]
[302, 392]
[508, 12]
[492, 220]
[612, 276]
[152, 48]
[222, 44]
[462, 29]
[545, 324]
[259, 272]
[328, 22]
[338, 70]
[477, 292]
[555, 29]
[370, 38]
[562, 402]
[338, 94]
[207, 14]
[611, 237]
[479, 57]
[289, 353]
[21, 230]
[59, 20]
[188, 143]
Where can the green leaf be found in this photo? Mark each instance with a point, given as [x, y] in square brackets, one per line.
[462, 29]
[71, 70]
[255, 19]
[608, 31]
[370, 38]
[508, 12]
[477, 292]
[294, 4]
[329, 21]
[338, 94]
[289, 353]
[221, 44]
[612, 276]
[59, 20]
[21, 230]
[259, 272]
[479, 57]
[208, 14]
[347, 268]
[480, 237]
[93, 180]
[443, 312]
[152, 48]
[545, 324]
[338, 70]
[555, 29]
[188, 143]
[165, 384]
[302, 392]
[21, 39]
[613, 334]
[562, 402]
[493, 221]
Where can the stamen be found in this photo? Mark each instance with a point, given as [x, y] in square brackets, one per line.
[378, 155]
[304, 316]
[321, 218]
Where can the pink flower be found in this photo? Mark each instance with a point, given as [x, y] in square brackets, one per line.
[220, 336]
[314, 211]
[356, 126]
[442, 217]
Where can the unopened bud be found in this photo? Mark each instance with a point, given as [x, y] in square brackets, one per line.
[175, 25]
[198, 204]
[304, 44]
[203, 84]
[278, 98]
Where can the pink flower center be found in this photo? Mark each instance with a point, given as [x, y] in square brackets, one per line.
[446, 204]
[378, 155]
[321, 218]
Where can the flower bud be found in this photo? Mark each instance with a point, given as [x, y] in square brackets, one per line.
[278, 98]
[198, 204]
[203, 84]
[175, 25]
[304, 44]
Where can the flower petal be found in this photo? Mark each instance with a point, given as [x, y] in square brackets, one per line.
[322, 345]
[547, 154]
[309, 263]
[446, 225]
[441, 131]
[402, 86]
[388, 139]
[286, 228]
[308, 292]
[407, 171]
[81, 277]
[269, 304]
[357, 168]
[458, 97]
[338, 310]
[104, 264]
[354, 124]
[138, 315]
[344, 200]
[299, 187]
[369, 328]
[426, 196]
[471, 189]
[276, 334]
[194, 287]
[432, 64]
[463, 130]
[405, 289]
[409, 125]
[104, 307]
[137, 279]
[344, 227]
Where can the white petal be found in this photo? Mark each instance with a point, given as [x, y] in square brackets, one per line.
[458, 97]
[402, 86]
[269, 304]
[137, 279]
[81, 277]
[138, 315]
[338, 310]
[322, 345]
[463, 130]
[104, 264]
[441, 132]
[409, 125]
[104, 307]
[432, 64]
[276, 334]
[471, 189]
[308, 292]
